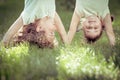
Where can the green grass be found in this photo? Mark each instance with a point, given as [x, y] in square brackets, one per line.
[78, 61]
[28, 62]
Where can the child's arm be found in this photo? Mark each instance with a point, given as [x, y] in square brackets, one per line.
[60, 28]
[109, 30]
[12, 30]
[73, 26]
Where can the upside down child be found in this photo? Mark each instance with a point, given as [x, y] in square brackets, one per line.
[42, 15]
[92, 16]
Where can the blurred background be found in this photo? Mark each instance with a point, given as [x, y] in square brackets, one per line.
[79, 61]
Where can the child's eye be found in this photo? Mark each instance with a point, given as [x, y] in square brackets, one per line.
[89, 27]
[95, 27]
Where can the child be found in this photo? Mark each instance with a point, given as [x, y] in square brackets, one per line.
[91, 16]
[42, 11]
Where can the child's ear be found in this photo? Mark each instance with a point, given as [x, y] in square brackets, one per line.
[112, 18]
[37, 21]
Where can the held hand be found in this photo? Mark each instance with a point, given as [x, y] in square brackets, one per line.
[66, 41]
[112, 42]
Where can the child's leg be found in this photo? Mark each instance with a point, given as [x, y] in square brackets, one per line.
[12, 30]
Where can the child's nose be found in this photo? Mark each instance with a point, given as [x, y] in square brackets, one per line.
[91, 25]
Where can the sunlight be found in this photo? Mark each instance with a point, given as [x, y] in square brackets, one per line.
[74, 61]
[16, 53]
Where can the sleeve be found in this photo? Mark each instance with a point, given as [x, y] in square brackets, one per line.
[28, 7]
[26, 18]
[79, 11]
[105, 12]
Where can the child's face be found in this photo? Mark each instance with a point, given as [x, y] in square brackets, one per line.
[46, 24]
[92, 26]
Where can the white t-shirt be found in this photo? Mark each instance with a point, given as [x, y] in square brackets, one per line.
[87, 8]
[35, 9]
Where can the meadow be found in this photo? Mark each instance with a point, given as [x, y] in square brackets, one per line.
[78, 61]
